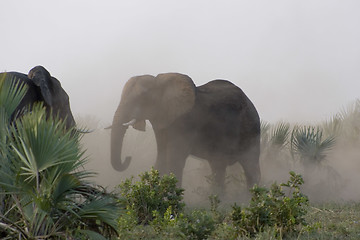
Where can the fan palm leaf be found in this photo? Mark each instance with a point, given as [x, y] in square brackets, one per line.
[333, 126]
[280, 134]
[274, 135]
[273, 141]
[350, 118]
[44, 185]
[308, 144]
[11, 93]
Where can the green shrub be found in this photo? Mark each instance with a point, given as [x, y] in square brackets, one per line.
[151, 193]
[155, 211]
[199, 224]
[44, 187]
[154, 204]
[272, 208]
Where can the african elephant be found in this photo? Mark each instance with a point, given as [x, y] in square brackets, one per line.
[215, 121]
[42, 87]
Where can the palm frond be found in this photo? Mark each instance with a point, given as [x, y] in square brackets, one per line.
[103, 209]
[308, 144]
[42, 171]
[332, 127]
[352, 111]
[274, 139]
[264, 126]
[11, 93]
[280, 134]
[43, 147]
[350, 118]
[264, 134]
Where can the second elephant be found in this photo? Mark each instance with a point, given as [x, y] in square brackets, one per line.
[215, 121]
[42, 87]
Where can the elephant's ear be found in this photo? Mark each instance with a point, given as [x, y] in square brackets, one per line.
[41, 78]
[177, 97]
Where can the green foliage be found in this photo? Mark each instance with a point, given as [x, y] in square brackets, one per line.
[309, 145]
[154, 204]
[11, 94]
[214, 203]
[197, 225]
[272, 208]
[163, 222]
[153, 207]
[43, 186]
[332, 127]
[161, 227]
[349, 118]
[275, 144]
[307, 149]
[274, 136]
[333, 221]
[306, 143]
[330, 221]
[273, 211]
[151, 193]
[280, 212]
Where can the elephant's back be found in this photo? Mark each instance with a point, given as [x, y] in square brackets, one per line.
[222, 91]
[218, 84]
[223, 95]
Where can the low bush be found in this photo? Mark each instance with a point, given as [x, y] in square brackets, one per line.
[198, 224]
[151, 193]
[155, 208]
[273, 208]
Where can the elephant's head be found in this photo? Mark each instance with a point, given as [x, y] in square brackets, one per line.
[161, 100]
[53, 94]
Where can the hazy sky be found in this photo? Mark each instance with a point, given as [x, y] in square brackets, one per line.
[296, 60]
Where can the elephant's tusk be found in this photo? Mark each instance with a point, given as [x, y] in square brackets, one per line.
[132, 122]
[84, 131]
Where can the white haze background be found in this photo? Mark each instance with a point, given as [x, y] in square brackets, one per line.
[296, 60]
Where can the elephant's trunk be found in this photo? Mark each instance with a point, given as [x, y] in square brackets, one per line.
[117, 137]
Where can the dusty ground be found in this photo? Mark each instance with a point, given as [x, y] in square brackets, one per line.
[323, 185]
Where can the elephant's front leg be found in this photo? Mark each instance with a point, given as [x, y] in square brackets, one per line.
[218, 169]
[178, 149]
[161, 142]
[173, 148]
[176, 163]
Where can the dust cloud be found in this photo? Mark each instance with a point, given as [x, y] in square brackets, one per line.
[141, 146]
[336, 181]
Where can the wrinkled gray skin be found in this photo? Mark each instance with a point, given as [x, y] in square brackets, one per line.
[215, 121]
[42, 87]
